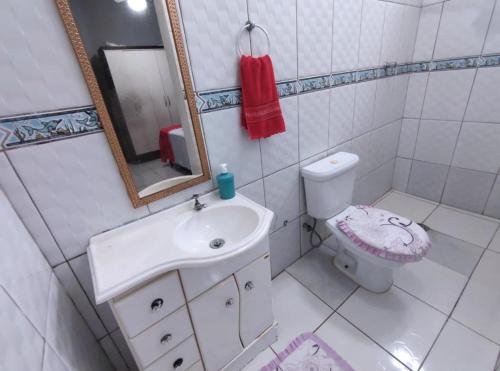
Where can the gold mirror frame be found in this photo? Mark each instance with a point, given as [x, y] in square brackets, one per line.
[102, 111]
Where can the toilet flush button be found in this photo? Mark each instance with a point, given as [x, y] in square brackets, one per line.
[334, 161]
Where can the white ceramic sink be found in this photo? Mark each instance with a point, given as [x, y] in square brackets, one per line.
[225, 226]
[180, 237]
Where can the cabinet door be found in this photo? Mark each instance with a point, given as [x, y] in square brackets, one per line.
[215, 316]
[256, 314]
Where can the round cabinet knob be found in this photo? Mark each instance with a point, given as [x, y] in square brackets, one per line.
[166, 338]
[249, 285]
[178, 362]
[229, 302]
[156, 304]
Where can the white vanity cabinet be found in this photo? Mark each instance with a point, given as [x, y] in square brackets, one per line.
[221, 327]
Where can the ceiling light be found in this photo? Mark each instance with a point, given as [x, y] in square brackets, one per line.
[137, 5]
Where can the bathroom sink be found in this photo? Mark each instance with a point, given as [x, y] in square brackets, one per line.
[179, 237]
[222, 227]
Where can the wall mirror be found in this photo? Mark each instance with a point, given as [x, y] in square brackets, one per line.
[133, 57]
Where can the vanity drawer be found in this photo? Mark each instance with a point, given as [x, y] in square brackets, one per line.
[181, 358]
[162, 337]
[147, 305]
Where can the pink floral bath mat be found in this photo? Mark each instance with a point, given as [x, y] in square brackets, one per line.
[308, 352]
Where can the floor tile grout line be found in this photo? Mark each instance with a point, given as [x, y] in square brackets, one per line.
[373, 340]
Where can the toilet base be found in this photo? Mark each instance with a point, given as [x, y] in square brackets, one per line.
[369, 275]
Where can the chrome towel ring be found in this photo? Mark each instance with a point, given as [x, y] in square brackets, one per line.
[249, 26]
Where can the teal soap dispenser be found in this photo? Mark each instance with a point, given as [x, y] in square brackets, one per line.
[225, 182]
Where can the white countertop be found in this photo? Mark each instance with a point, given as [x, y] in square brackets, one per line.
[130, 255]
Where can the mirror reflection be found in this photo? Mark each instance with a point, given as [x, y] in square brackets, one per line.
[134, 60]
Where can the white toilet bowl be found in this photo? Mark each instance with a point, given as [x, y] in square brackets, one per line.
[372, 242]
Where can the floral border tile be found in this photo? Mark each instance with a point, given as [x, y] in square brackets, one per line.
[21, 130]
[287, 88]
[314, 83]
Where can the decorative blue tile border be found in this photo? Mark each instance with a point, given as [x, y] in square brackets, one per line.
[220, 99]
[20, 130]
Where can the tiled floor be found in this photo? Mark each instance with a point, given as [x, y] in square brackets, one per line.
[442, 313]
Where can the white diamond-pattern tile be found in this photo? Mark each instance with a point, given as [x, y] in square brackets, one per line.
[402, 169]
[493, 205]
[375, 184]
[314, 114]
[364, 107]
[254, 191]
[478, 147]
[436, 141]
[370, 42]
[447, 94]
[390, 100]
[278, 17]
[52, 362]
[69, 336]
[415, 95]
[234, 148]
[26, 210]
[284, 247]
[282, 150]
[483, 104]
[77, 187]
[492, 44]
[211, 29]
[22, 345]
[341, 114]
[24, 273]
[427, 31]
[346, 30]
[427, 180]
[384, 142]
[408, 137]
[463, 27]
[38, 68]
[363, 148]
[282, 195]
[314, 33]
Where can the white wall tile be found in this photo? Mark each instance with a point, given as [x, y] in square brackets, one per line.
[254, 191]
[427, 180]
[401, 175]
[282, 150]
[477, 147]
[390, 99]
[181, 196]
[463, 28]
[113, 354]
[408, 137]
[346, 30]
[24, 273]
[81, 268]
[39, 71]
[76, 293]
[427, 32]
[373, 185]
[81, 192]
[22, 345]
[492, 44]
[468, 189]
[436, 141]
[284, 246]
[447, 94]
[28, 213]
[415, 95]
[370, 42]
[493, 205]
[314, 36]
[314, 114]
[234, 148]
[384, 142]
[69, 336]
[483, 104]
[124, 350]
[363, 148]
[278, 17]
[52, 361]
[341, 114]
[282, 195]
[211, 29]
[364, 107]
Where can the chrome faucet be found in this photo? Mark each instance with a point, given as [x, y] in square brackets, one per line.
[197, 205]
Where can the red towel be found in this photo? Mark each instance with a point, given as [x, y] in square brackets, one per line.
[166, 151]
[261, 112]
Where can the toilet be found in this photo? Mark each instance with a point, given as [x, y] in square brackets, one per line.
[371, 242]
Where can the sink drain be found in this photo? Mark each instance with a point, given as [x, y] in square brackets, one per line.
[217, 243]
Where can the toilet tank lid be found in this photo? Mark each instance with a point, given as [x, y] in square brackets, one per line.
[331, 166]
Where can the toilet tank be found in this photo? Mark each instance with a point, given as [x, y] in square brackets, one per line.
[329, 183]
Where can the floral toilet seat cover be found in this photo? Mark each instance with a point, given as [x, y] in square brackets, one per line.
[385, 234]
